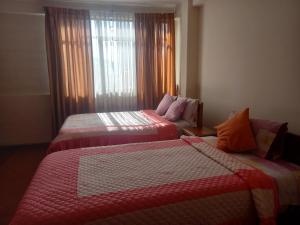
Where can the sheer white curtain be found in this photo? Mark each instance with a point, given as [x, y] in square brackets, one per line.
[113, 41]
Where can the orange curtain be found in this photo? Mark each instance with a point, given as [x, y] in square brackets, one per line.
[155, 57]
[69, 53]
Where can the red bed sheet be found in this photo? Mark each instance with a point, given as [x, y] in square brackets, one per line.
[101, 129]
[184, 181]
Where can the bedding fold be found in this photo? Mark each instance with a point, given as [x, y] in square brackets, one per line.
[263, 187]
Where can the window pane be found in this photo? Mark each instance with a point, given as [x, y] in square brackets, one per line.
[113, 40]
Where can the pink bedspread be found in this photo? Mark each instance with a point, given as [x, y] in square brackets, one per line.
[101, 129]
[184, 181]
[285, 174]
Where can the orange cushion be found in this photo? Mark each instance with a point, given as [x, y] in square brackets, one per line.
[235, 134]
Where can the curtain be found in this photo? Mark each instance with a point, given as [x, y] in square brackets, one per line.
[113, 40]
[155, 57]
[69, 54]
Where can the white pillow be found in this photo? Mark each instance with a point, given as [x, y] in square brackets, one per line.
[190, 113]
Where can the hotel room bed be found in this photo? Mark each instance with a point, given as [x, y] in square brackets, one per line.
[183, 181]
[101, 129]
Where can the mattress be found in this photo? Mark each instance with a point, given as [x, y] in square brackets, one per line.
[101, 129]
[286, 175]
[183, 181]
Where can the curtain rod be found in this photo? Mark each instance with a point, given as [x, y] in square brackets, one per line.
[107, 3]
[108, 8]
[23, 13]
[43, 14]
[135, 8]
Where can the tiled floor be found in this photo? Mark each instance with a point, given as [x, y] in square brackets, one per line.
[17, 166]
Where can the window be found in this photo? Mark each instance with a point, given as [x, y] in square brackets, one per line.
[113, 41]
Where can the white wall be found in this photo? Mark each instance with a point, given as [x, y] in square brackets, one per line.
[25, 115]
[251, 53]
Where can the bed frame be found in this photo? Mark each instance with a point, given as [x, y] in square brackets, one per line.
[292, 148]
[200, 115]
[291, 154]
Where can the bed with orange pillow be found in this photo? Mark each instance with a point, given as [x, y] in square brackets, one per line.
[262, 144]
[183, 181]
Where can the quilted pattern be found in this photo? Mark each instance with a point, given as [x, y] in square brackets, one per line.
[206, 211]
[143, 169]
[90, 120]
[286, 175]
[101, 129]
[168, 182]
[263, 187]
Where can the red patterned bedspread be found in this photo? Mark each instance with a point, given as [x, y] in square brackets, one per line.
[184, 181]
[101, 129]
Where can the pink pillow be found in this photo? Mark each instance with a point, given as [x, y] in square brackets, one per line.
[190, 113]
[176, 109]
[269, 137]
[164, 104]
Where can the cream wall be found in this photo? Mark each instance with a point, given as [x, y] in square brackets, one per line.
[251, 57]
[192, 83]
[182, 14]
[190, 25]
[25, 115]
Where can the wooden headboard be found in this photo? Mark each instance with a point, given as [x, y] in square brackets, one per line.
[200, 115]
[292, 148]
